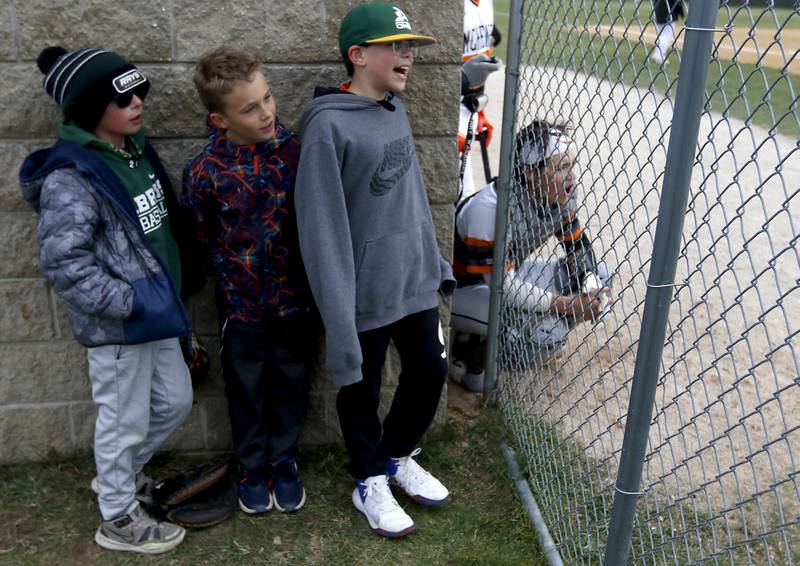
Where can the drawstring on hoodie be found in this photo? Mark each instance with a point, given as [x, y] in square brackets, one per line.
[386, 104]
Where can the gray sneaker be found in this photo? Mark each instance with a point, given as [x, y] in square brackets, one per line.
[136, 531]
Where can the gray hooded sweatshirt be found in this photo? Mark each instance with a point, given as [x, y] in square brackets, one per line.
[366, 234]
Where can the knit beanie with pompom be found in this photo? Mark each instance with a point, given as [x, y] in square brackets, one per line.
[83, 82]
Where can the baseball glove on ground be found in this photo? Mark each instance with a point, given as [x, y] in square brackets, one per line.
[200, 497]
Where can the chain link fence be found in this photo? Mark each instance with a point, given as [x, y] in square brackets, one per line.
[721, 471]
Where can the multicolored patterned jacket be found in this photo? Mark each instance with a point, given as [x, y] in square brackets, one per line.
[240, 200]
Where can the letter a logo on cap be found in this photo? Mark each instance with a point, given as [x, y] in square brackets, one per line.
[401, 20]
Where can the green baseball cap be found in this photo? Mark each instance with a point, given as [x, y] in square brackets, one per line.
[377, 23]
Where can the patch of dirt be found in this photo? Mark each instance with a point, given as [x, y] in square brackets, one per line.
[462, 404]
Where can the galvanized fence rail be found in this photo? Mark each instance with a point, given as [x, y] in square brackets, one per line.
[715, 477]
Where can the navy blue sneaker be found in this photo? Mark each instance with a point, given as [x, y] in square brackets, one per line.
[254, 492]
[288, 491]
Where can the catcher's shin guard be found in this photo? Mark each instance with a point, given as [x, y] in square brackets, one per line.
[471, 350]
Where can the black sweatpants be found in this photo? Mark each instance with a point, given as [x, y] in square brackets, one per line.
[265, 366]
[419, 341]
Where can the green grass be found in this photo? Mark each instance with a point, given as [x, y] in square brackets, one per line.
[620, 13]
[761, 96]
[501, 21]
[633, 11]
[48, 514]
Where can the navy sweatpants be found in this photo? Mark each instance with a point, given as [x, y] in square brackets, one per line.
[265, 366]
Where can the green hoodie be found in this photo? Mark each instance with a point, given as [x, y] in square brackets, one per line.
[144, 187]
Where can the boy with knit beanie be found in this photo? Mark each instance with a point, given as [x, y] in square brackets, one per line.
[370, 253]
[107, 243]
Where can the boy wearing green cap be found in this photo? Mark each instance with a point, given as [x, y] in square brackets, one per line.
[370, 253]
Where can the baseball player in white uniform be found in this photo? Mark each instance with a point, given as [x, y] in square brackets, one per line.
[480, 38]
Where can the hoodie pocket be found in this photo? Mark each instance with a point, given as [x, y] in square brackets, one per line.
[157, 311]
[395, 268]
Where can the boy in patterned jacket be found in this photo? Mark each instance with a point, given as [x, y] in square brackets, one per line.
[238, 194]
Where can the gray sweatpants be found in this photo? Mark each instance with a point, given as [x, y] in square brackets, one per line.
[470, 310]
[530, 336]
[142, 393]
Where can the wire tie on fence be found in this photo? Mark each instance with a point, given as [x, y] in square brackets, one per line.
[725, 29]
[623, 492]
[663, 285]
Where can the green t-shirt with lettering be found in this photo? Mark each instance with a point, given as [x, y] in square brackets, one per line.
[140, 180]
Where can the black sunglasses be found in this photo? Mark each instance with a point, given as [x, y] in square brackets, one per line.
[124, 99]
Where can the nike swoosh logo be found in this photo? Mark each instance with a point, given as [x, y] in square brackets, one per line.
[397, 158]
[387, 175]
[126, 537]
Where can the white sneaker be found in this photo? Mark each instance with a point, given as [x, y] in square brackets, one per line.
[470, 381]
[418, 483]
[374, 499]
[658, 55]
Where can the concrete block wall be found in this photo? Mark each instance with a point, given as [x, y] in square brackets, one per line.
[45, 400]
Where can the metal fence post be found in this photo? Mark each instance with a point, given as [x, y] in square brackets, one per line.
[699, 32]
[503, 186]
